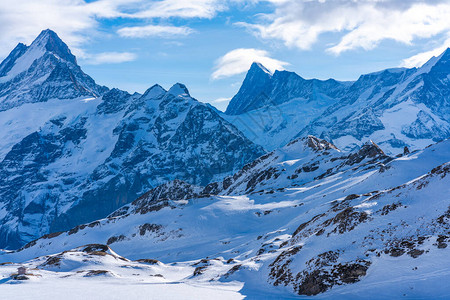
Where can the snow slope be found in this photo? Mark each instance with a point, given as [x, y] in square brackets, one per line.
[95, 271]
[335, 233]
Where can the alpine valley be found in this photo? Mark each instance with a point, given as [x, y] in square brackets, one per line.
[302, 188]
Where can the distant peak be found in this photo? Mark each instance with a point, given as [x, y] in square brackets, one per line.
[258, 67]
[179, 89]
[154, 91]
[251, 94]
[9, 61]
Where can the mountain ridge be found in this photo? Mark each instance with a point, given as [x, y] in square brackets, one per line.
[348, 113]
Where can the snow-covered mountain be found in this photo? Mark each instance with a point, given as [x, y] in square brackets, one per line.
[271, 108]
[101, 189]
[395, 107]
[44, 70]
[64, 162]
[304, 219]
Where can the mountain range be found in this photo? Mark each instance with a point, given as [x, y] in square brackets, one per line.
[395, 107]
[73, 159]
[301, 187]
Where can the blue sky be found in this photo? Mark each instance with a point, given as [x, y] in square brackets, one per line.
[209, 44]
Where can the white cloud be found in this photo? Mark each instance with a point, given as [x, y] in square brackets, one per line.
[109, 58]
[421, 58]
[21, 21]
[363, 23]
[154, 30]
[76, 21]
[239, 61]
[181, 9]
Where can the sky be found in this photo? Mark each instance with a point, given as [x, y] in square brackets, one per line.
[209, 44]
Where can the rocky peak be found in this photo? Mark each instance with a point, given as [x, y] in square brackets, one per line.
[113, 101]
[44, 70]
[253, 92]
[49, 41]
[179, 89]
[8, 63]
[159, 197]
[154, 92]
[258, 69]
[370, 149]
[318, 144]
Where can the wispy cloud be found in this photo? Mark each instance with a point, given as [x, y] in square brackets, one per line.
[239, 61]
[355, 24]
[154, 30]
[421, 58]
[109, 58]
[21, 21]
[363, 24]
[181, 9]
[76, 21]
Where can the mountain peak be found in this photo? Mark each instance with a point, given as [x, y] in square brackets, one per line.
[154, 91]
[444, 58]
[46, 35]
[179, 89]
[258, 67]
[311, 142]
[446, 53]
[49, 41]
[9, 61]
[370, 149]
[46, 69]
[252, 94]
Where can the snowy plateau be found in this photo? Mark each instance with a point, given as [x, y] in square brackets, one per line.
[301, 189]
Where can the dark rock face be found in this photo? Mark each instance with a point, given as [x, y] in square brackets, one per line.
[253, 92]
[95, 247]
[370, 150]
[114, 101]
[321, 273]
